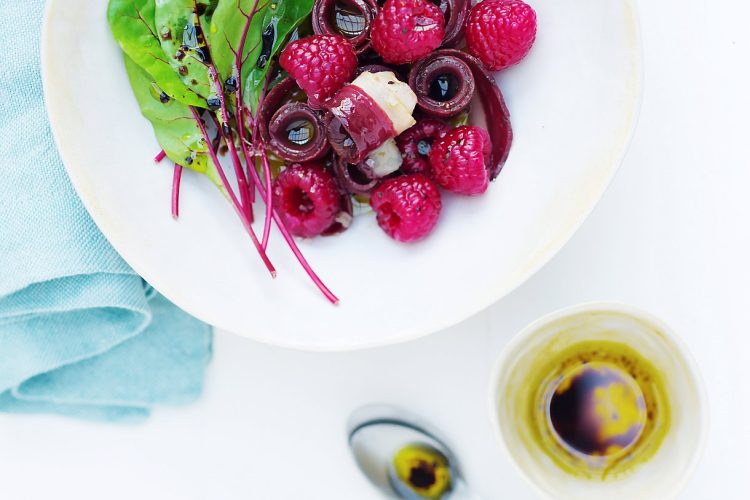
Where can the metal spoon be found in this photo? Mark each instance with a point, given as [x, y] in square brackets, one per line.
[378, 433]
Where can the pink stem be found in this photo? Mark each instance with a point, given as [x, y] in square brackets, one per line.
[224, 122]
[227, 134]
[176, 180]
[293, 245]
[268, 197]
[238, 61]
[235, 161]
[159, 157]
[235, 203]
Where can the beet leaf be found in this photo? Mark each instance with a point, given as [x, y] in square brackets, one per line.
[133, 26]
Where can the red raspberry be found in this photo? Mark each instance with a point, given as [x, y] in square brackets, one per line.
[307, 198]
[407, 207]
[415, 144]
[501, 32]
[459, 160]
[405, 30]
[320, 64]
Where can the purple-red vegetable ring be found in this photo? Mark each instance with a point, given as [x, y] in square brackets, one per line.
[455, 21]
[444, 72]
[352, 177]
[359, 18]
[281, 93]
[296, 133]
[355, 124]
[495, 110]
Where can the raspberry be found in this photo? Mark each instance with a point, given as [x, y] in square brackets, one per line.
[320, 64]
[459, 160]
[501, 32]
[307, 198]
[407, 207]
[405, 30]
[415, 144]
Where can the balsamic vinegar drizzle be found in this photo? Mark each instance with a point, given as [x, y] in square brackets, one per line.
[443, 87]
[268, 39]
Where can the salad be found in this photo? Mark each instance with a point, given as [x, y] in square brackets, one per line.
[302, 112]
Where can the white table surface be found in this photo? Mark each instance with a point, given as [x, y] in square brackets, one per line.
[671, 235]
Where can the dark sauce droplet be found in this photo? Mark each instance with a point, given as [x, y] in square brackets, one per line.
[201, 54]
[443, 87]
[231, 85]
[189, 160]
[193, 39]
[164, 98]
[183, 70]
[268, 38]
[213, 103]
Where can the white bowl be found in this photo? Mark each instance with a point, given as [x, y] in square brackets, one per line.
[573, 101]
[665, 473]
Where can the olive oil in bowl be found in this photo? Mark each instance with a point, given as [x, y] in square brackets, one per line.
[599, 401]
[603, 408]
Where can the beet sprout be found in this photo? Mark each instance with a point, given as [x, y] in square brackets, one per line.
[259, 146]
[176, 180]
[159, 157]
[269, 196]
[235, 202]
[239, 115]
[265, 190]
[243, 207]
[293, 245]
[225, 130]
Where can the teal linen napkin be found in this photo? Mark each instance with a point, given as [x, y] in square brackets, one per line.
[80, 333]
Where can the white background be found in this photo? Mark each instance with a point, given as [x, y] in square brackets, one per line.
[671, 235]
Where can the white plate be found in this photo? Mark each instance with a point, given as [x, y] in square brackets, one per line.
[573, 102]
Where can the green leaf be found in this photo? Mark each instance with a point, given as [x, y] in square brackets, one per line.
[269, 29]
[180, 25]
[228, 29]
[176, 129]
[132, 24]
[281, 18]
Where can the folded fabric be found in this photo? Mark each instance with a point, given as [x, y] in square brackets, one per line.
[80, 333]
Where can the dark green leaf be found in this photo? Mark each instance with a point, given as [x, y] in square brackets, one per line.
[229, 30]
[270, 28]
[176, 129]
[132, 24]
[180, 25]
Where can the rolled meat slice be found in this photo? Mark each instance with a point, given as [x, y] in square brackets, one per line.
[363, 115]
